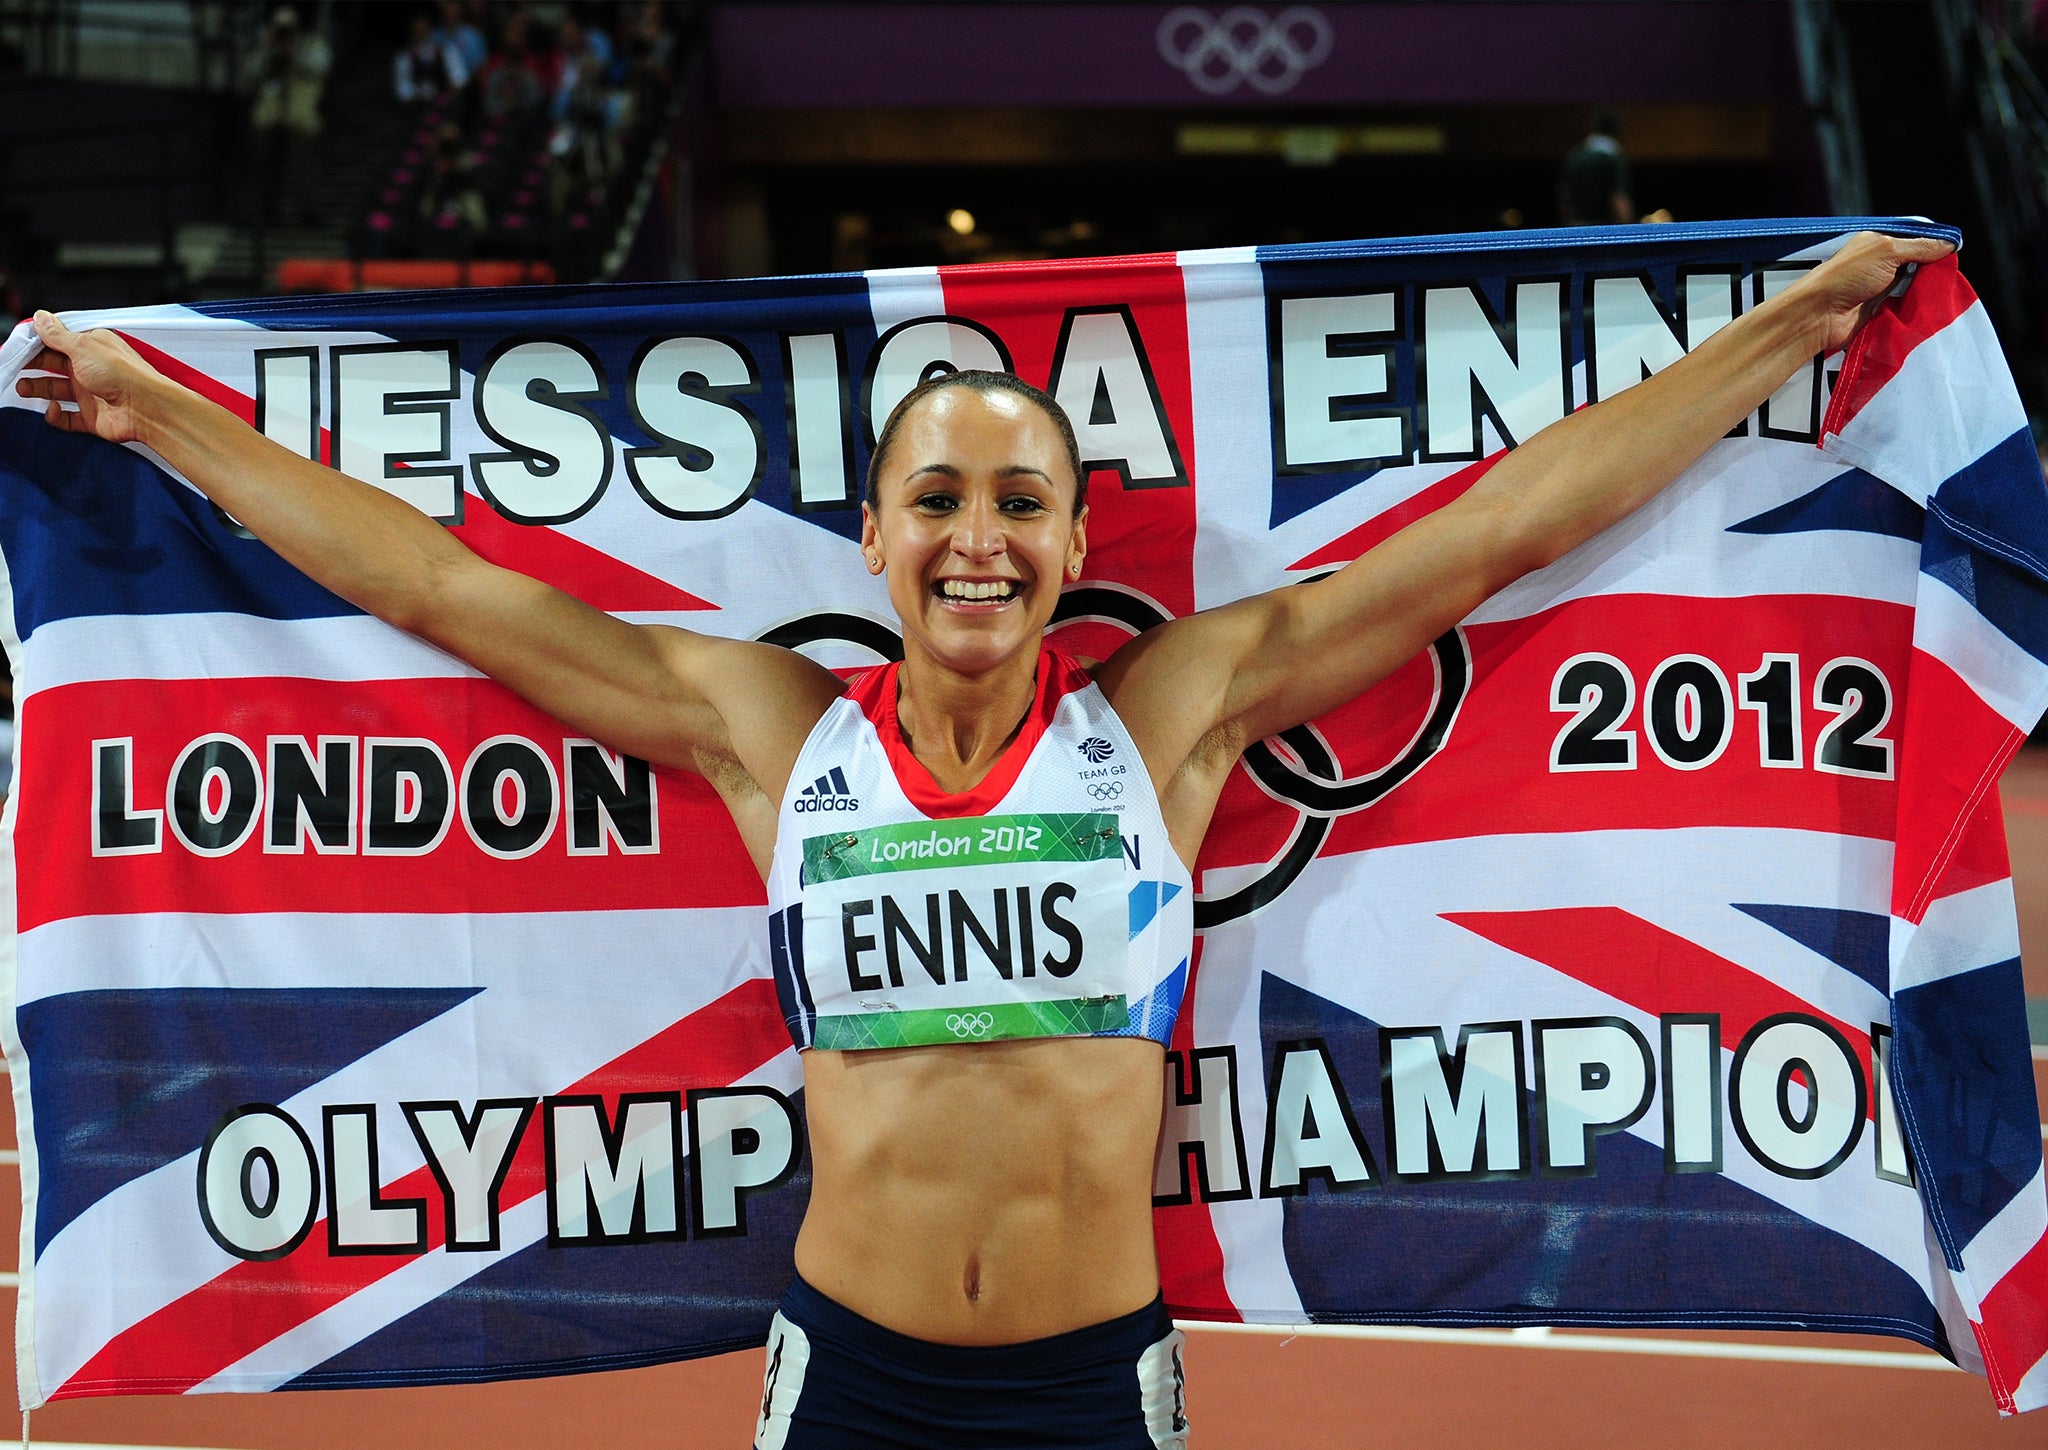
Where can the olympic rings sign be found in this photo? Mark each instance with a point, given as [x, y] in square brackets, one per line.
[1245, 46]
[970, 1024]
[1105, 790]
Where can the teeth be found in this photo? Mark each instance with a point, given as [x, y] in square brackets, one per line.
[965, 589]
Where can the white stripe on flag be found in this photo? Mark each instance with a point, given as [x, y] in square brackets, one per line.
[2012, 1234]
[1949, 404]
[1680, 544]
[228, 646]
[1235, 554]
[525, 951]
[2006, 677]
[1960, 933]
[903, 294]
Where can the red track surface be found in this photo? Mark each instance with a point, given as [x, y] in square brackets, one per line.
[1243, 1391]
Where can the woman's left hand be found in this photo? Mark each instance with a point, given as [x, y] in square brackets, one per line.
[1848, 288]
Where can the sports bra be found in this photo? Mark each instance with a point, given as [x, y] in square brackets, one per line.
[1045, 902]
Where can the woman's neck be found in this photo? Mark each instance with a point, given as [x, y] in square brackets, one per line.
[958, 724]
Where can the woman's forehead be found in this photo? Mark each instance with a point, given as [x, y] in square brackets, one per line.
[965, 425]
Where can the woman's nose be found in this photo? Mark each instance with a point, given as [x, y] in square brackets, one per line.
[978, 532]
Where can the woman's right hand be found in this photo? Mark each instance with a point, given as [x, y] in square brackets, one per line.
[99, 371]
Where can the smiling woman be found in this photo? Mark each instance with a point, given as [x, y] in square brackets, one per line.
[978, 860]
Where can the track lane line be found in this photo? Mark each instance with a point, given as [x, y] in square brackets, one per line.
[1526, 1338]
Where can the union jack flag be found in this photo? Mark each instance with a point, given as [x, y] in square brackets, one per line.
[1643, 953]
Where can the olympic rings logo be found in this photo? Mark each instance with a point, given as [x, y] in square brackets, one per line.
[1244, 46]
[970, 1024]
[1106, 790]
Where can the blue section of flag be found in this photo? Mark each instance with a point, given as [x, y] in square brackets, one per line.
[127, 1081]
[90, 529]
[2007, 595]
[559, 1310]
[1857, 941]
[1961, 1060]
[613, 324]
[1544, 1250]
[2000, 503]
[1852, 500]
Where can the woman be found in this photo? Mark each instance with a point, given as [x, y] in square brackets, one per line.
[947, 1294]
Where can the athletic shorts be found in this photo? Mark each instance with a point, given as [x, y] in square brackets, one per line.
[836, 1381]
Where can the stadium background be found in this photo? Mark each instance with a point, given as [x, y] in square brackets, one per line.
[162, 152]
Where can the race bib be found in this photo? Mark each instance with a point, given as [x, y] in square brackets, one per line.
[971, 930]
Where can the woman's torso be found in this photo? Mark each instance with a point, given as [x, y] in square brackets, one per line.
[998, 1190]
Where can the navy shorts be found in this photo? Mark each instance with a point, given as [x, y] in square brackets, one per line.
[837, 1381]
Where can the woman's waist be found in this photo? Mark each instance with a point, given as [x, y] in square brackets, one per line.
[984, 1194]
[953, 1270]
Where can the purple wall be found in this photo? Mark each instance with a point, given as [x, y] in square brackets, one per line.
[1391, 54]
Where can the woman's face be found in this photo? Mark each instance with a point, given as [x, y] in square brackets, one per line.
[973, 520]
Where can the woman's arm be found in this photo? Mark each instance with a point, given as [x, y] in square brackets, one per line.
[1206, 686]
[667, 695]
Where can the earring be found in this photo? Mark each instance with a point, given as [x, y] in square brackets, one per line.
[874, 561]
[1074, 569]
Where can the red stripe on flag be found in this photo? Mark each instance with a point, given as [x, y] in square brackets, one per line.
[1496, 773]
[1381, 527]
[56, 809]
[2013, 1334]
[194, 1338]
[1937, 296]
[1958, 746]
[1652, 970]
[205, 384]
[569, 564]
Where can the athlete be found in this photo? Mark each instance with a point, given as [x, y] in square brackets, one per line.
[976, 1266]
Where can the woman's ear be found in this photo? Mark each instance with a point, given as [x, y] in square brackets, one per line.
[1077, 544]
[870, 541]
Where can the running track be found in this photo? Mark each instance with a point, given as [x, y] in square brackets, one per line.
[1485, 1391]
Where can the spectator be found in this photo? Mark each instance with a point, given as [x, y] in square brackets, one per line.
[584, 147]
[649, 53]
[586, 58]
[517, 79]
[1592, 189]
[452, 200]
[460, 34]
[290, 77]
[428, 68]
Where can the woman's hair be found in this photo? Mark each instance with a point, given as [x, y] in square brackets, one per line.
[981, 381]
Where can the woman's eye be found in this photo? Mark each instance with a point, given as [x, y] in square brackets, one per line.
[937, 503]
[1023, 504]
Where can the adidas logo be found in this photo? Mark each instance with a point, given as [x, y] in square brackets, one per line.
[827, 793]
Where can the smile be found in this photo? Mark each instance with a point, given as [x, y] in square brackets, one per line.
[973, 592]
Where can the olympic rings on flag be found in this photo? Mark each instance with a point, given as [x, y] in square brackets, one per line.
[1244, 46]
[970, 1024]
[1105, 790]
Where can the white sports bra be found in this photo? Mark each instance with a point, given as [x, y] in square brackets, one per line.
[1045, 902]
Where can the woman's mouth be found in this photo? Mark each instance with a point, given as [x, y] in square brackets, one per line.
[976, 594]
